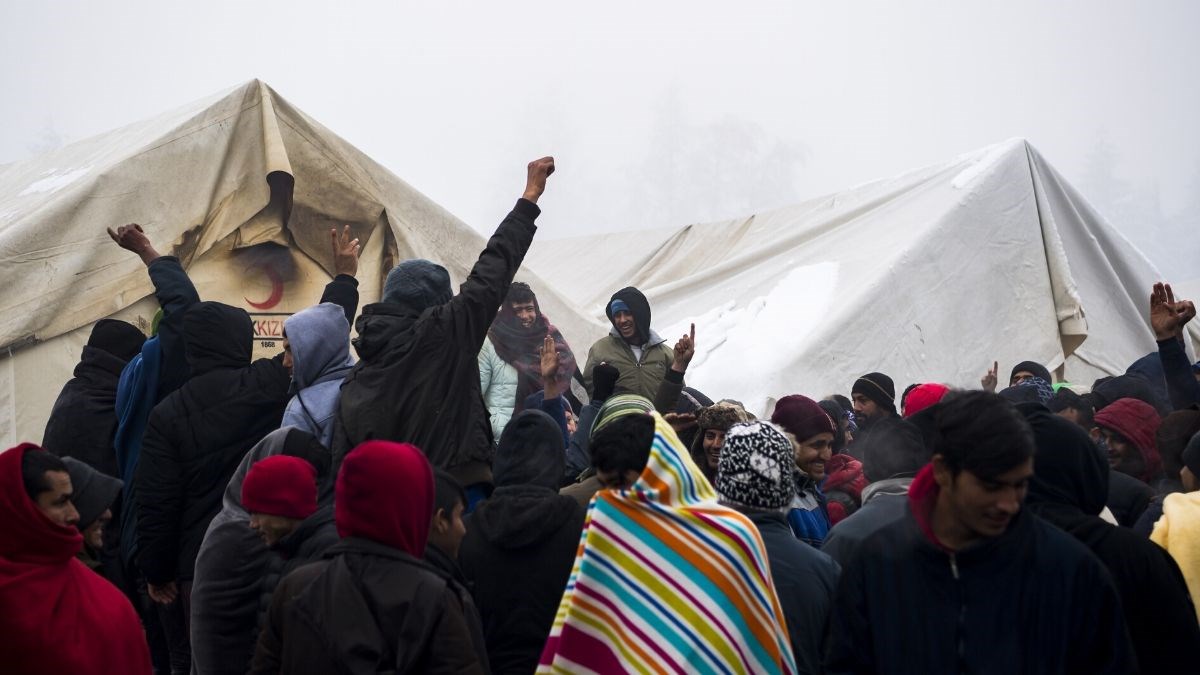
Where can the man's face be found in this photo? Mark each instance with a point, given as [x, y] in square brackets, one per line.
[983, 508]
[448, 530]
[813, 453]
[1123, 455]
[1020, 376]
[625, 325]
[287, 355]
[864, 408]
[56, 502]
[714, 440]
[271, 528]
[526, 313]
[94, 534]
[617, 480]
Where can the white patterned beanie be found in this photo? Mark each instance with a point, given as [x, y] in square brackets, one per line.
[755, 468]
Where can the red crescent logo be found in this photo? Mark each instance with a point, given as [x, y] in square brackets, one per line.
[276, 288]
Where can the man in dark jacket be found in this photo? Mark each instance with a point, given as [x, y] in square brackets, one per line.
[93, 494]
[82, 421]
[418, 377]
[891, 454]
[1068, 489]
[371, 605]
[236, 573]
[521, 543]
[441, 552]
[193, 443]
[971, 582]
[874, 396]
[754, 476]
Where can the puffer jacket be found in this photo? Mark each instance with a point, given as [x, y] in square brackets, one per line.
[498, 381]
[637, 377]
[307, 544]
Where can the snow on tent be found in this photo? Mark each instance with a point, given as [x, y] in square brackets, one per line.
[244, 188]
[929, 276]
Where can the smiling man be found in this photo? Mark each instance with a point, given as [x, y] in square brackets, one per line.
[641, 355]
[968, 581]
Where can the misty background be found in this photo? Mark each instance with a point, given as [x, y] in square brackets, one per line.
[660, 114]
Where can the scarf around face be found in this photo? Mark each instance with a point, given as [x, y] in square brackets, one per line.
[668, 580]
[521, 348]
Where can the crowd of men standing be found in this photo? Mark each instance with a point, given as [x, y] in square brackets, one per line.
[450, 492]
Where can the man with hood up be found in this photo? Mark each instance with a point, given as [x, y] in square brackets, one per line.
[82, 422]
[316, 345]
[632, 347]
[417, 379]
[93, 494]
[193, 443]
[1069, 488]
[235, 569]
[521, 542]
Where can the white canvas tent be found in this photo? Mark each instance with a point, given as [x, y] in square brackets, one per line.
[929, 276]
[243, 187]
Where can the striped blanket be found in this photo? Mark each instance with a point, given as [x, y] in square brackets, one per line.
[667, 580]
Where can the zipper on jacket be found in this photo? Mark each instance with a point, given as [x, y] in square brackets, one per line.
[962, 615]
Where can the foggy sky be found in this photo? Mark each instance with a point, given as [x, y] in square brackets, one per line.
[660, 114]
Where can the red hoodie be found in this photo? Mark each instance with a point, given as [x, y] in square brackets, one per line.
[56, 615]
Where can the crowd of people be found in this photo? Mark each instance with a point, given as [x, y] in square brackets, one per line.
[450, 492]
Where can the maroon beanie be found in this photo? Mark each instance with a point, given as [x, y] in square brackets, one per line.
[802, 417]
[384, 493]
[281, 486]
[1137, 421]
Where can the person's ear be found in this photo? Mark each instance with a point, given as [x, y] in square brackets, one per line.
[441, 522]
[941, 472]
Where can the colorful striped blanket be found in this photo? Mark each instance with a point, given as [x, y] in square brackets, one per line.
[667, 580]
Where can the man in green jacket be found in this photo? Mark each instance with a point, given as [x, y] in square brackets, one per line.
[632, 347]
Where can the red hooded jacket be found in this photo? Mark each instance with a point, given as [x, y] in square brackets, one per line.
[56, 615]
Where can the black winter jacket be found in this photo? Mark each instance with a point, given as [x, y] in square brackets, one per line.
[199, 434]
[1068, 488]
[314, 536]
[521, 543]
[83, 421]
[366, 608]
[1030, 601]
[1128, 498]
[418, 377]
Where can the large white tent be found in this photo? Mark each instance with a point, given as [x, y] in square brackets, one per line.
[243, 187]
[929, 276]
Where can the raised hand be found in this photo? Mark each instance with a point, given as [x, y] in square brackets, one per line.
[1168, 316]
[991, 379]
[345, 251]
[131, 238]
[685, 349]
[550, 385]
[535, 182]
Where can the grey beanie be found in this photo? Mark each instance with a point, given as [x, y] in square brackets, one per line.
[417, 284]
[756, 466]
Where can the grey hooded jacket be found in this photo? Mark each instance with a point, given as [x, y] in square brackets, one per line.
[319, 338]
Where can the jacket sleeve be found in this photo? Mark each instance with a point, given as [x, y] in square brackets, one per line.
[485, 369]
[1101, 641]
[1182, 386]
[579, 456]
[474, 308]
[850, 648]
[554, 408]
[176, 295]
[158, 502]
[452, 651]
[587, 369]
[343, 290]
[667, 396]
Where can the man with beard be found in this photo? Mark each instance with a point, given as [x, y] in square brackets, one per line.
[874, 397]
[510, 361]
[641, 355]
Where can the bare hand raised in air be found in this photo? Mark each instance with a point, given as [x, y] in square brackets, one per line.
[1168, 316]
[131, 238]
[535, 183]
[550, 386]
[989, 381]
[684, 350]
[345, 251]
